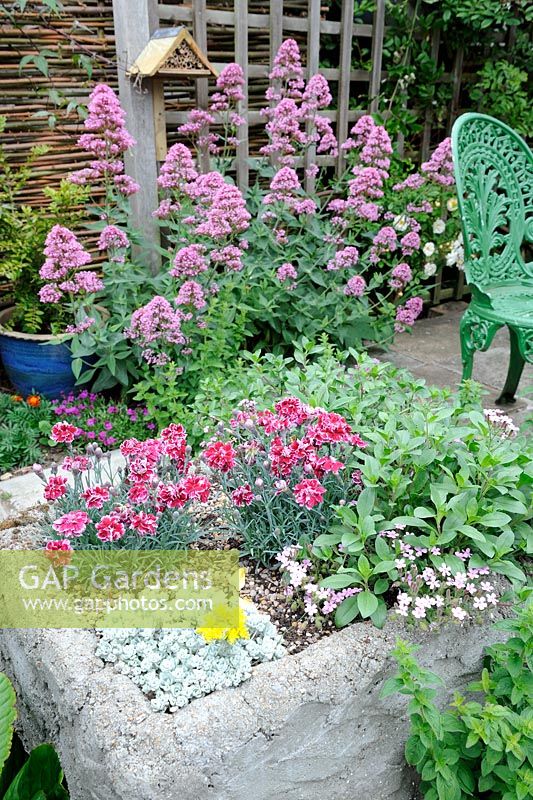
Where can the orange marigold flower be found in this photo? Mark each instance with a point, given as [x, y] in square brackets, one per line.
[33, 400]
[16, 398]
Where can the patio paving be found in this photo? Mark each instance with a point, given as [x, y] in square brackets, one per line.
[433, 352]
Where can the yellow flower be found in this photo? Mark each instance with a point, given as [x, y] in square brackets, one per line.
[451, 205]
[215, 626]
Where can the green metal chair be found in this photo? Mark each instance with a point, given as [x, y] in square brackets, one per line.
[494, 175]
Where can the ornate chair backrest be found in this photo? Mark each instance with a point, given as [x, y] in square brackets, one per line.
[494, 175]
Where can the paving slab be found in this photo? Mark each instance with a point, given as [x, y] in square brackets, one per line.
[25, 491]
[433, 352]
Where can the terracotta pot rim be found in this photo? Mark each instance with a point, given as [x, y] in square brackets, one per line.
[49, 338]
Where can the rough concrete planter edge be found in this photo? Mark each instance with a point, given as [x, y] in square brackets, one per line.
[308, 727]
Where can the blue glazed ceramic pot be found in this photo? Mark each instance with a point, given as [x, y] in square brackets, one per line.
[33, 363]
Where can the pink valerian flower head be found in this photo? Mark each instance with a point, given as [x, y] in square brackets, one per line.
[366, 183]
[439, 168]
[410, 243]
[189, 261]
[197, 129]
[64, 432]
[408, 313]
[401, 275]
[355, 287]
[84, 281]
[229, 88]
[49, 293]
[205, 187]
[106, 138]
[414, 181]
[191, 294]
[227, 215]
[113, 238]
[64, 257]
[81, 326]
[284, 132]
[55, 488]
[178, 169]
[287, 71]
[219, 455]
[285, 182]
[377, 149]
[229, 257]
[287, 272]
[309, 493]
[360, 132]
[243, 495]
[73, 523]
[64, 254]
[126, 185]
[316, 94]
[105, 123]
[156, 323]
[96, 496]
[166, 208]
[110, 528]
[344, 259]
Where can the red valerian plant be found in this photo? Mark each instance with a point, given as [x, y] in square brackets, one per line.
[143, 506]
[284, 470]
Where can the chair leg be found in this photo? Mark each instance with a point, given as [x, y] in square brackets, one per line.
[516, 365]
[467, 351]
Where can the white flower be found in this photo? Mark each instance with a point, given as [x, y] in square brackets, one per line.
[428, 249]
[400, 223]
[451, 205]
[430, 269]
[439, 226]
[459, 613]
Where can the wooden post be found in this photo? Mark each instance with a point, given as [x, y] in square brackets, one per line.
[313, 47]
[202, 84]
[457, 74]
[276, 29]
[241, 58]
[378, 29]
[345, 63]
[426, 135]
[134, 21]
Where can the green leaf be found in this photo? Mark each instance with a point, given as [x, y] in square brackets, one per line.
[41, 773]
[497, 519]
[8, 715]
[367, 603]
[380, 614]
[365, 502]
[347, 611]
[339, 581]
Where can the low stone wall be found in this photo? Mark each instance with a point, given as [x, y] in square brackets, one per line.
[308, 727]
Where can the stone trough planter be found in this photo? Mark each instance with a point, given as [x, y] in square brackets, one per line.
[308, 727]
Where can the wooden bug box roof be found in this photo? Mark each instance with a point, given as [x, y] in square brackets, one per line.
[172, 52]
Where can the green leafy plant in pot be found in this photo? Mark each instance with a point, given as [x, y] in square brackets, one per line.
[33, 355]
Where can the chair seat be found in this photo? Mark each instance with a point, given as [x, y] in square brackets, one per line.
[510, 304]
